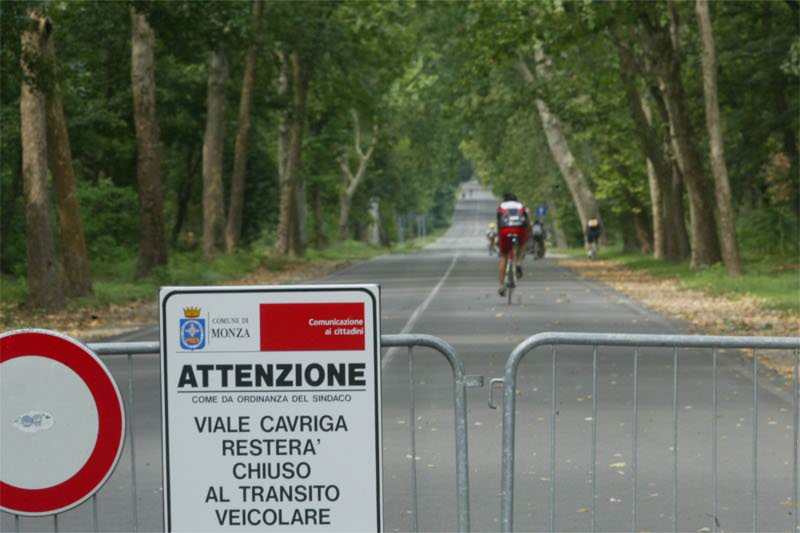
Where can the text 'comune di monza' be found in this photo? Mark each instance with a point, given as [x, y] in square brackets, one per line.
[272, 375]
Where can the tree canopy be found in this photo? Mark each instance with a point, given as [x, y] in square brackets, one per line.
[584, 107]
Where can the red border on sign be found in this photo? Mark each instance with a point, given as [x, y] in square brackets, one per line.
[110, 418]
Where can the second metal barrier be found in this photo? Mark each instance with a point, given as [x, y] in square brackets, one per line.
[675, 342]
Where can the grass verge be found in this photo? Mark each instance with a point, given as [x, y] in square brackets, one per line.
[773, 280]
[118, 293]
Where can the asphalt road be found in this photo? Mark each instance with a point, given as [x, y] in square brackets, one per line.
[449, 290]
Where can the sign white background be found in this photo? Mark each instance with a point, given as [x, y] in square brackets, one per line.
[194, 461]
[44, 458]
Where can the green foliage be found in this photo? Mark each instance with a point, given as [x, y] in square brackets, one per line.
[110, 218]
[769, 231]
[440, 82]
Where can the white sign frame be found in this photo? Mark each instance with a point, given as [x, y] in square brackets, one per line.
[178, 343]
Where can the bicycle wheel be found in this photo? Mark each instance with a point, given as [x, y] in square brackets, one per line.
[510, 276]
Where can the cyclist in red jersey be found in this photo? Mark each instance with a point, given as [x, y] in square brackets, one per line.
[512, 218]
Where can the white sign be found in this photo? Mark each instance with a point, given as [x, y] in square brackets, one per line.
[271, 408]
[63, 423]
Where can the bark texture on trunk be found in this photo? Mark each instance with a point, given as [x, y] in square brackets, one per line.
[657, 213]
[233, 229]
[74, 255]
[291, 218]
[578, 185]
[213, 148]
[152, 241]
[282, 237]
[44, 275]
[299, 88]
[659, 172]
[350, 180]
[680, 235]
[726, 218]
[658, 43]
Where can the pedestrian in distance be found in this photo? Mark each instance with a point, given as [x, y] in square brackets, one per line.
[593, 232]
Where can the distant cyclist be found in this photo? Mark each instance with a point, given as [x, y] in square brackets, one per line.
[593, 231]
[538, 236]
[512, 218]
[491, 236]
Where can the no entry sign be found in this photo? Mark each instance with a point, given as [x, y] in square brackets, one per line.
[271, 408]
[63, 423]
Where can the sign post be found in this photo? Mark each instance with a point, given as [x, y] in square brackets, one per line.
[271, 408]
[63, 423]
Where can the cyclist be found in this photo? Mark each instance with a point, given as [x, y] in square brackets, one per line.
[538, 236]
[491, 236]
[512, 218]
[593, 230]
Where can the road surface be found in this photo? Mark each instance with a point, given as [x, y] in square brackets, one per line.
[449, 290]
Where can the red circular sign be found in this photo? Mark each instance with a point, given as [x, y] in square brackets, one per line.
[110, 421]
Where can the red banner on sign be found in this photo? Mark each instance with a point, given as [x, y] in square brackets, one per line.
[312, 327]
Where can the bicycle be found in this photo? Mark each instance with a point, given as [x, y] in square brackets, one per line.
[593, 249]
[537, 248]
[492, 246]
[511, 270]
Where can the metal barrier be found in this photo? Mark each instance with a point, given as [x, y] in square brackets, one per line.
[460, 383]
[636, 342]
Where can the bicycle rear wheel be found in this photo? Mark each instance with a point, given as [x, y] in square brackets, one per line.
[510, 277]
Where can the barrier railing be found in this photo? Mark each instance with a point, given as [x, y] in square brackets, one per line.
[675, 342]
[460, 383]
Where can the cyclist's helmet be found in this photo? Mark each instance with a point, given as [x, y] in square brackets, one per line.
[509, 197]
[492, 225]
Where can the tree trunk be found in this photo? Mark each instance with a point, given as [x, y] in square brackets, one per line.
[152, 242]
[282, 237]
[299, 88]
[343, 229]
[726, 223]
[300, 239]
[320, 242]
[659, 46]
[351, 181]
[233, 230]
[213, 149]
[657, 213]
[680, 236]
[578, 185]
[670, 240]
[291, 222]
[642, 235]
[44, 277]
[658, 168]
[74, 256]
